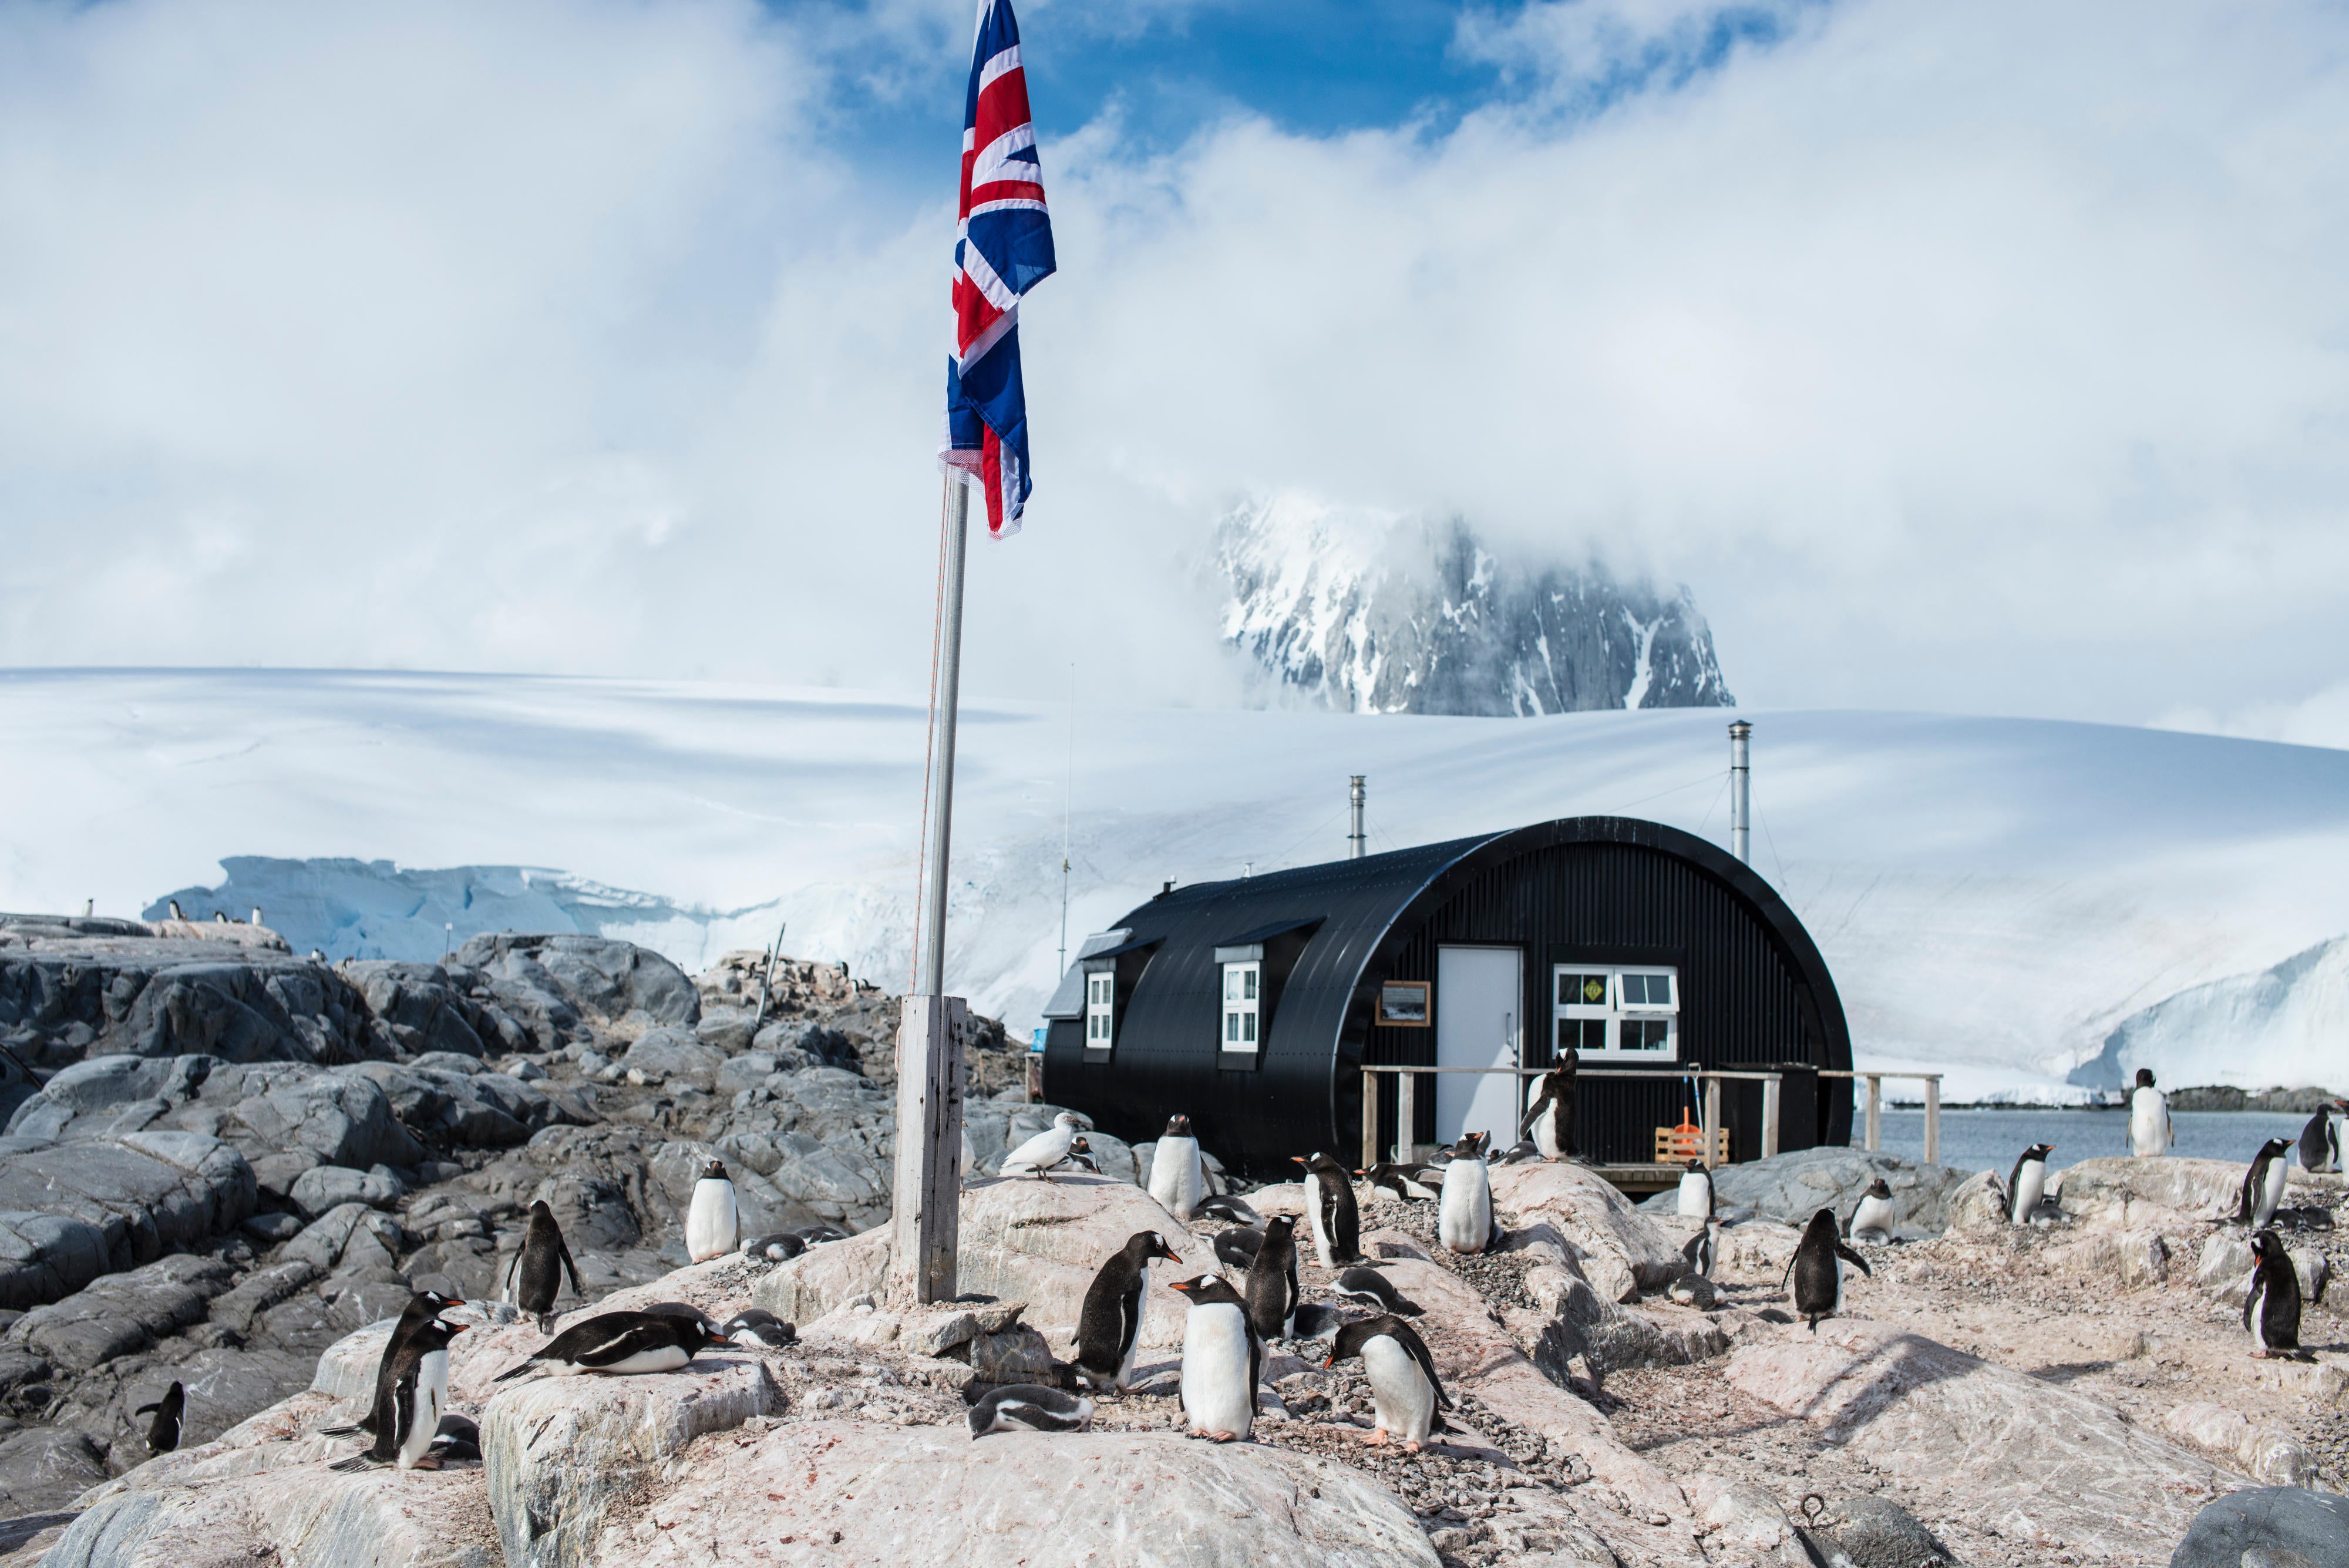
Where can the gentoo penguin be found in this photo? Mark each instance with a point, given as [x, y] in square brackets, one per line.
[422, 1307]
[1404, 1390]
[713, 1226]
[1109, 1324]
[1522, 1152]
[163, 1431]
[1697, 1191]
[2263, 1184]
[1412, 1183]
[1030, 1407]
[759, 1328]
[419, 1393]
[2272, 1312]
[780, 1248]
[1081, 1156]
[1550, 1118]
[1047, 1149]
[1177, 1177]
[1230, 1210]
[2149, 1133]
[2028, 1184]
[1235, 1249]
[1703, 1249]
[1329, 1206]
[1873, 1214]
[1271, 1283]
[1317, 1322]
[536, 1273]
[2320, 1140]
[623, 1343]
[457, 1437]
[1222, 1358]
[1373, 1290]
[1463, 1220]
[1816, 1269]
[816, 1232]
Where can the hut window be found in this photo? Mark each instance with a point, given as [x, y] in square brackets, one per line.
[1101, 1008]
[1243, 1004]
[1623, 1014]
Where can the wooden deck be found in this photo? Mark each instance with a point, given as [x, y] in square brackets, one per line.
[1642, 1180]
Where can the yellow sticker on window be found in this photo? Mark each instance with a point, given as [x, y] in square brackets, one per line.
[1594, 990]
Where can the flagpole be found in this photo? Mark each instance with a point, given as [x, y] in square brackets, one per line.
[924, 1228]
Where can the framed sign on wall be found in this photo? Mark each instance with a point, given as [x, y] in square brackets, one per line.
[1402, 1004]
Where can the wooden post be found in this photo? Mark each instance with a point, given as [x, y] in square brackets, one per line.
[1770, 1085]
[1711, 1122]
[1370, 1119]
[1932, 1118]
[1406, 1117]
[1874, 1112]
[925, 1218]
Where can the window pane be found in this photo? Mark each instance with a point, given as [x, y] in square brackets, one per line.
[1581, 989]
[1248, 979]
[1594, 1034]
[1231, 983]
[1248, 1028]
[1231, 1027]
[1659, 990]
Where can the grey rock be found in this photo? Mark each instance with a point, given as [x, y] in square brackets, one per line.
[2225, 1269]
[600, 975]
[1878, 1533]
[1790, 1187]
[344, 1118]
[271, 1229]
[46, 1257]
[418, 1004]
[261, 1290]
[726, 1029]
[145, 1193]
[592, 1210]
[45, 1467]
[673, 1055]
[2311, 1527]
[325, 1240]
[748, 1071]
[800, 1042]
[328, 1186]
[274, 1174]
[122, 1312]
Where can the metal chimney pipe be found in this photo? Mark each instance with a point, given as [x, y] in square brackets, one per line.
[1741, 799]
[1359, 842]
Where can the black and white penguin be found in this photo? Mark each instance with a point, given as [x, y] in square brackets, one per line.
[713, 1225]
[780, 1248]
[2150, 1131]
[1412, 1183]
[816, 1232]
[1329, 1208]
[419, 1393]
[1522, 1152]
[1081, 1156]
[422, 1307]
[1230, 1210]
[1550, 1118]
[624, 1342]
[1314, 1321]
[1816, 1269]
[1030, 1407]
[1044, 1152]
[1696, 1192]
[1464, 1218]
[2028, 1184]
[1223, 1360]
[536, 1273]
[2272, 1312]
[457, 1437]
[1109, 1324]
[1271, 1284]
[2320, 1140]
[1178, 1179]
[1235, 1248]
[1873, 1213]
[1375, 1291]
[1703, 1249]
[758, 1328]
[163, 1431]
[1405, 1392]
[2263, 1184]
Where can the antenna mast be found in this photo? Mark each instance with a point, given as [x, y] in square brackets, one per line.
[1068, 787]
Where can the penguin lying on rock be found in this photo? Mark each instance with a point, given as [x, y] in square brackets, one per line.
[1109, 1325]
[1405, 1392]
[457, 1437]
[1412, 1183]
[759, 1328]
[1230, 1210]
[1522, 1152]
[1816, 1269]
[539, 1267]
[780, 1248]
[1235, 1249]
[1029, 1406]
[163, 1431]
[623, 1343]
[1373, 1290]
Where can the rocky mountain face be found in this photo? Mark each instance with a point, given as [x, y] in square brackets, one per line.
[1424, 619]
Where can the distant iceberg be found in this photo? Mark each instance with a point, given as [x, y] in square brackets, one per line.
[2280, 1027]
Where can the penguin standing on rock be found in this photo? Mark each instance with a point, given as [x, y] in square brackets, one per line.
[2320, 1140]
[1047, 1149]
[1463, 1220]
[163, 1431]
[1329, 1206]
[713, 1225]
[1873, 1213]
[1271, 1284]
[2272, 1312]
[2150, 1132]
[1816, 1269]
[419, 1393]
[1109, 1325]
[1178, 1179]
[423, 1308]
[2028, 1184]
[1223, 1360]
[1405, 1392]
[1550, 1118]
[2263, 1184]
[624, 1342]
[1696, 1197]
[1030, 1407]
[539, 1267]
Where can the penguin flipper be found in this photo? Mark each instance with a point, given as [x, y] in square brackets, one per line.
[2251, 1298]
[1408, 1337]
[563, 1248]
[1848, 1256]
[323, 1431]
[515, 1372]
[1526, 1126]
[357, 1462]
[514, 1263]
[142, 1409]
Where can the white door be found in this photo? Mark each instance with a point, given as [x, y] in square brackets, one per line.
[1479, 994]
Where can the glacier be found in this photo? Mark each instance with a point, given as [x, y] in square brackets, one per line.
[1996, 897]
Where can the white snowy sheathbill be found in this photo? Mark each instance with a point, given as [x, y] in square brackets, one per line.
[2149, 1133]
[713, 1226]
[1047, 1149]
[1463, 1214]
[1177, 1177]
[1222, 1360]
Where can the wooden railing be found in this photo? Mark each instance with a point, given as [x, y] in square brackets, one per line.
[1873, 1112]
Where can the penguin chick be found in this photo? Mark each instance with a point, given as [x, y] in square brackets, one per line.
[759, 1328]
[1029, 1406]
[1405, 1392]
[457, 1437]
[1373, 1290]
[623, 1343]
[713, 1225]
[163, 1431]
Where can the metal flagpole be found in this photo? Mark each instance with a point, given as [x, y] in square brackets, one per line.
[930, 953]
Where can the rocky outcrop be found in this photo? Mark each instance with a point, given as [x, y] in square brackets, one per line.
[601, 977]
[144, 1194]
[2269, 1527]
[2264, 1453]
[2169, 1192]
[1790, 1187]
[1620, 1250]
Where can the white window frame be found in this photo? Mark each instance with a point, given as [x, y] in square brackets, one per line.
[1100, 1009]
[1243, 1015]
[1613, 1012]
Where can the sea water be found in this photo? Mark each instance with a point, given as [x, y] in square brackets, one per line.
[1991, 1139]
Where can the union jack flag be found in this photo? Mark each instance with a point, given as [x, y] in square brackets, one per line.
[1003, 248]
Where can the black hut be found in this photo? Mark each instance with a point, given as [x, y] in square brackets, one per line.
[1253, 1005]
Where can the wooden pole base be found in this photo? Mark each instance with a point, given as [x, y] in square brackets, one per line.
[924, 1224]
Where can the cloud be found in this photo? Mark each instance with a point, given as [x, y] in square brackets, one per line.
[1987, 359]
